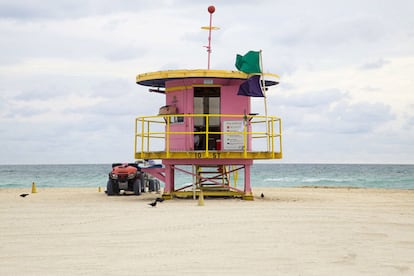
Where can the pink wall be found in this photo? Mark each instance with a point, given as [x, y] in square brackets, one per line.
[180, 100]
[231, 103]
[183, 99]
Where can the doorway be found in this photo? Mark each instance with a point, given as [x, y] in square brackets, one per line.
[206, 101]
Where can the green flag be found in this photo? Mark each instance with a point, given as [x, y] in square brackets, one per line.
[249, 63]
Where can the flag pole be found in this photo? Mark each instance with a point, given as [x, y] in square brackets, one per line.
[263, 86]
[211, 10]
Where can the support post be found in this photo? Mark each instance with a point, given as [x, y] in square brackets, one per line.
[169, 181]
[248, 195]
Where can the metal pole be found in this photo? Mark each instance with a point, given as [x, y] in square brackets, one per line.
[263, 86]
[209, 40]
[211, 10]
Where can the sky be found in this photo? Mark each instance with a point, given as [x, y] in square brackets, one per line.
[68, 68]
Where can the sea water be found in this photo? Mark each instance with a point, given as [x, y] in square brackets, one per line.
[262, 175]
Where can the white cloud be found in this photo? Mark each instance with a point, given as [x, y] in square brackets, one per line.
[377, 64]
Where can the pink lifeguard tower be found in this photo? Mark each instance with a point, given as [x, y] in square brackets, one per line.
[206, 130]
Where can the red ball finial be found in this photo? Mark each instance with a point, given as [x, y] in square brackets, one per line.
[211, 9]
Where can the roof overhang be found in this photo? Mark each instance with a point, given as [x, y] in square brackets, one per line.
[159, 78]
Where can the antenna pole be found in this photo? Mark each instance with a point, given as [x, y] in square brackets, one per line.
[209, 35]
[211, 10]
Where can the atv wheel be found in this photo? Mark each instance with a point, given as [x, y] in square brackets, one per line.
[154, 185]
[157, 185]
[142, 179]
[137, 187]
[151, 184]
[111, 189]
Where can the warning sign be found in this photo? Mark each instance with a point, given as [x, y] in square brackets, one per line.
[233, 140]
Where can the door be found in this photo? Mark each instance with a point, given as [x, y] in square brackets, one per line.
[206, 101]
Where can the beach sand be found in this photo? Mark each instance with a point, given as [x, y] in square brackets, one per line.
[292, 231]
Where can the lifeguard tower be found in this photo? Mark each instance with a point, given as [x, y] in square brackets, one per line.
[206, 130]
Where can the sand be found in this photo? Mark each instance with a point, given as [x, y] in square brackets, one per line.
[292, 231]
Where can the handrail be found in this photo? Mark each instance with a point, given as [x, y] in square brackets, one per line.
[154, 133]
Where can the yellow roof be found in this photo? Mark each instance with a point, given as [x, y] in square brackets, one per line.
[158, 79]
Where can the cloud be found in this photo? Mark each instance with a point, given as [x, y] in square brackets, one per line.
[126, 53]
[377, 64]
[359, 118]
[330, 111]
[311, 99]
[41, 9]
[67, 73]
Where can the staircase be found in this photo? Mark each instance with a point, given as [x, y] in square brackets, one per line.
[212, 178]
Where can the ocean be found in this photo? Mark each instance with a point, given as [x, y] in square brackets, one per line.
[262, 175]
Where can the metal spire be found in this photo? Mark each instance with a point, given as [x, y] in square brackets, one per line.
[211, 10]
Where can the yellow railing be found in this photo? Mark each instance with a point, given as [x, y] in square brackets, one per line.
[258, 137]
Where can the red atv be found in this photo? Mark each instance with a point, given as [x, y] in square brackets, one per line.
[129, 177]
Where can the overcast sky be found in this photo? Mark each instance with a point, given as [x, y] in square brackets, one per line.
[68, 68]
